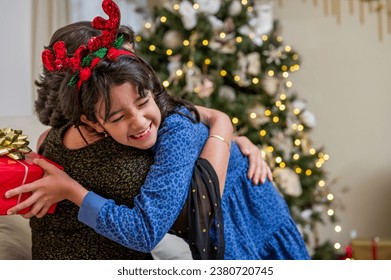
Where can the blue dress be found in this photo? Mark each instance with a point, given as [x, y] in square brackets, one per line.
[257, 222]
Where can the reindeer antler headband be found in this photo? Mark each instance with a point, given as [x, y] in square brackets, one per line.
[86, 57]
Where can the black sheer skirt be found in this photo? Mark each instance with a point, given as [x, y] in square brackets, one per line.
[200, 222]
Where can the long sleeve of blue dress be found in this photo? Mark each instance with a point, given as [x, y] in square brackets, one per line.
[161, 197]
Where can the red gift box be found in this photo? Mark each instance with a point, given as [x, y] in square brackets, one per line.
[14, 173]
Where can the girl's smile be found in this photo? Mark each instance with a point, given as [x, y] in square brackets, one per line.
[144, 134]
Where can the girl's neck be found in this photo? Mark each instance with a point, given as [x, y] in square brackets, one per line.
[76, 138]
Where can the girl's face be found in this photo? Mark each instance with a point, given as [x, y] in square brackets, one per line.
[133, 120]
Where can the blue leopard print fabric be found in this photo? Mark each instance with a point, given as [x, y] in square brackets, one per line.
[257, 222]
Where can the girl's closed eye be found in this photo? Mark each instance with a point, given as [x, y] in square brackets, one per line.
[116, 120]
[144, 103]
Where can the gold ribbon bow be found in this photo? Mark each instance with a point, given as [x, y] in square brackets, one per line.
[13, 143]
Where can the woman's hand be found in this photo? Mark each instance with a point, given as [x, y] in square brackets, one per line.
[258, 169]
[53, 187]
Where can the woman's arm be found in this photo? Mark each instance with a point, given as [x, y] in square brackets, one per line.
[55, 186]
[217, 148]
[44, 194]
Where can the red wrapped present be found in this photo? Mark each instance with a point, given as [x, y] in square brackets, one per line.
[17, 168]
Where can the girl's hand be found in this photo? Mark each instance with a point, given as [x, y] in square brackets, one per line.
[53, 187]
[258, 169]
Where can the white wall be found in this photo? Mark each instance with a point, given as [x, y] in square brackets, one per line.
[15, 67]
[87, 10]
[345, 77]
[16, 93]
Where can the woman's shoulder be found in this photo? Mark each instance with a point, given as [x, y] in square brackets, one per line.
[50, 136]
[41, 138]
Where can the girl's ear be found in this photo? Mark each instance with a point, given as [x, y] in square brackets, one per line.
[128, 46]
[94, 125]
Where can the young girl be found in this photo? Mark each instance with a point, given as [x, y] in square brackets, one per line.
[120, 95]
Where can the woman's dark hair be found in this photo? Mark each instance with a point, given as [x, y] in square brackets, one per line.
[58, 103]
[47, 105]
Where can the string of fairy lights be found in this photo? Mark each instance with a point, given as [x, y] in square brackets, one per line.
[280, 104]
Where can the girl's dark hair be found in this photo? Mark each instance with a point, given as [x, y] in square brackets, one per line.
[59, 103]
[109, 73]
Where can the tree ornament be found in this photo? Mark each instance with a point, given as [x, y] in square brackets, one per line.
[172, 39]
[289, 181]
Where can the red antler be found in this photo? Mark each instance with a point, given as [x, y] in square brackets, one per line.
[107, 45]
[109, 27]
[58, 60]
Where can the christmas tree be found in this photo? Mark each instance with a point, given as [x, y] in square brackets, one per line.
[230, 55]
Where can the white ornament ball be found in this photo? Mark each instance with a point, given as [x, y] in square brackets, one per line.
[172, 39]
